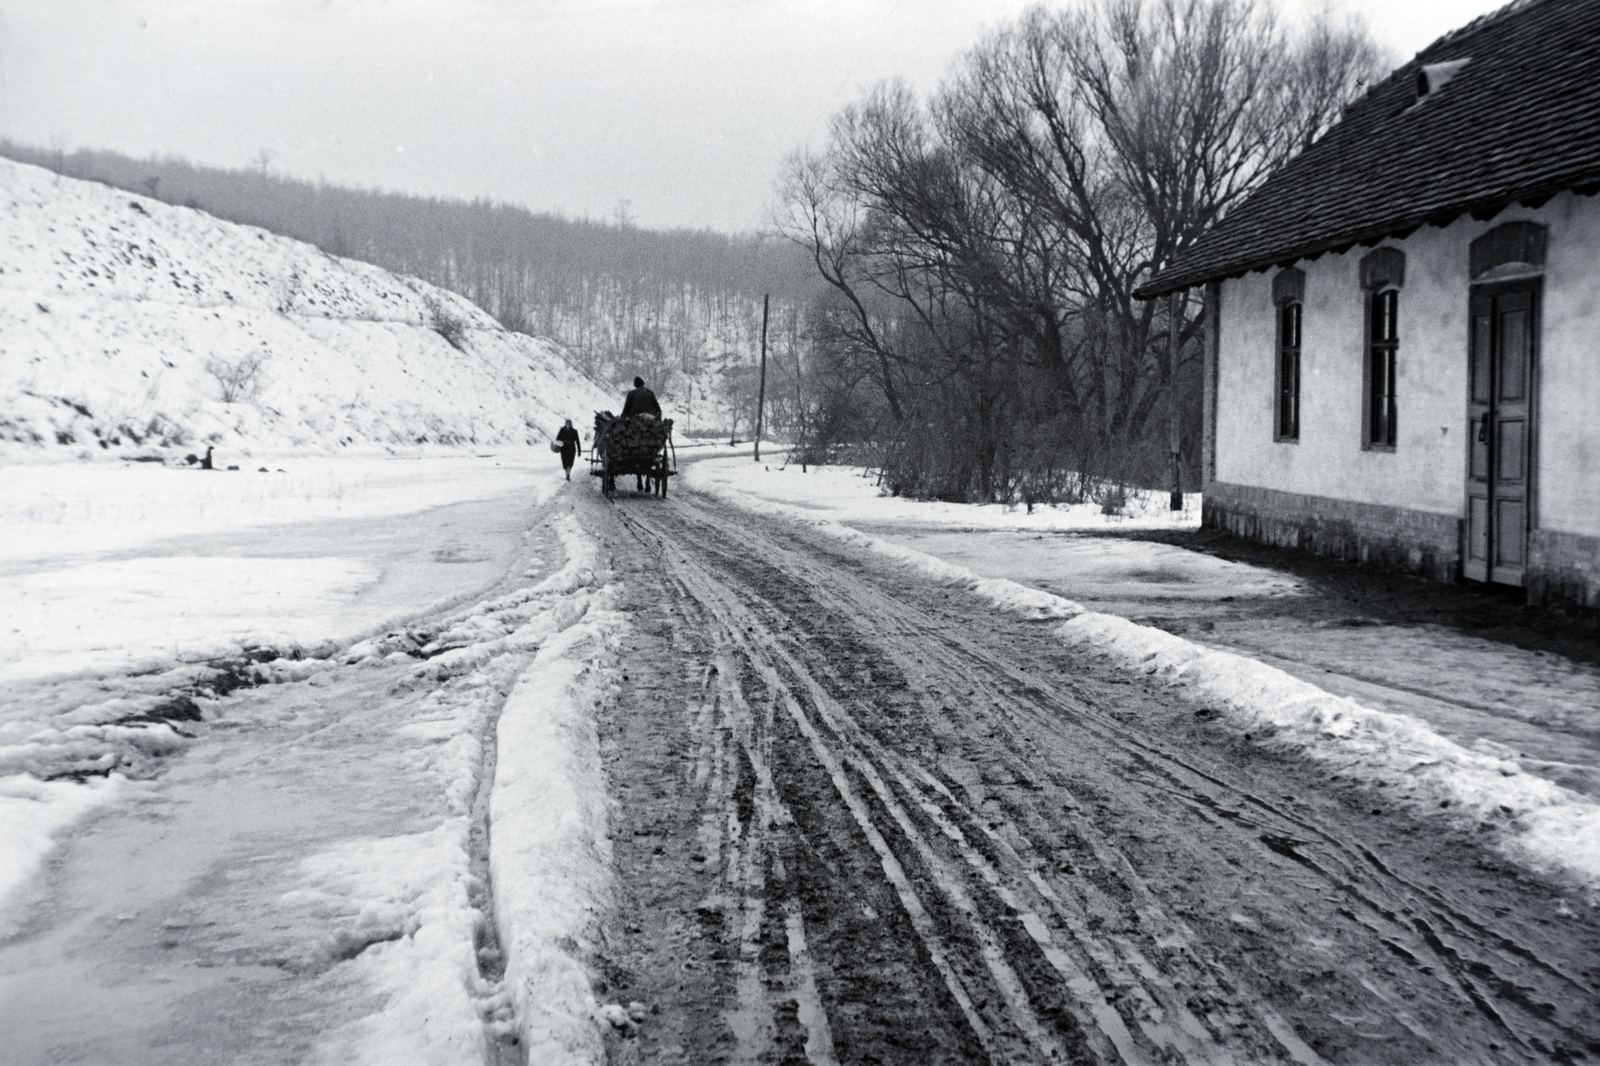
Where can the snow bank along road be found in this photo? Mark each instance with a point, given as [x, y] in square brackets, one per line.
[862, 818]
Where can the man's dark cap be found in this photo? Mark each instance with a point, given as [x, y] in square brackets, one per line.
[638, 383]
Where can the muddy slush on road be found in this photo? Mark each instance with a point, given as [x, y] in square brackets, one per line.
[860, 818]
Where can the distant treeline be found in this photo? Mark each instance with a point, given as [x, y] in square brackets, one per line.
[682, 307]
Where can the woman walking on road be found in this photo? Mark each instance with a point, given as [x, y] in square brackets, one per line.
[567, 437]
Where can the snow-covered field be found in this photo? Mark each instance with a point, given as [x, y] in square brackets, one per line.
[1544, 825]
[104, 566]
[106, 604]
[70, 508]
[397, 904]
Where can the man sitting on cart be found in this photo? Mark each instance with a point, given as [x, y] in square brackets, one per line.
[641, 401]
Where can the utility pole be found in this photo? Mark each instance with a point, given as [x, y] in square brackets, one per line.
[799, 385]
[1175, 302]
[761, 393]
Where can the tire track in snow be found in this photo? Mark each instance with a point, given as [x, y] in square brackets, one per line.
[755, 872]
[1186, 1036]
[746, 633]
[738, 831]
[1460, 949]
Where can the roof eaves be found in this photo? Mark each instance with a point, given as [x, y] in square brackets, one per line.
[1482, 210]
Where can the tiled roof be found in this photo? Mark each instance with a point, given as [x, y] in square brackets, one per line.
[1518, 122]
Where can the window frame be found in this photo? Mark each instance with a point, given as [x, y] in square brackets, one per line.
[1287, 364]
[1380, 384]
[1288, 298]
[1383, 276]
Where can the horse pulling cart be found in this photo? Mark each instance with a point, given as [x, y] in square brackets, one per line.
[638, 446]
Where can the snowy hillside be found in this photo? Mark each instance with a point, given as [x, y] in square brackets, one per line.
[131, 327]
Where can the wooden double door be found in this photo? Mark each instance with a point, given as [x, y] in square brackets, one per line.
[1500, 428]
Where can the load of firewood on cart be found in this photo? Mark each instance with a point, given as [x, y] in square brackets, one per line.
[637, 446]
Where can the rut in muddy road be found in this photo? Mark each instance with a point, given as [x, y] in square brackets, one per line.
[862, 819]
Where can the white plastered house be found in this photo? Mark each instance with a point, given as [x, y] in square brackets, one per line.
[1402, 359]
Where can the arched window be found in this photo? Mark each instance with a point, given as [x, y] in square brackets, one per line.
[1288, 294]
[1383, 272]
[1383, 344]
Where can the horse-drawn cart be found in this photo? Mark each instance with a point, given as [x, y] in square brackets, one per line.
[636, 446]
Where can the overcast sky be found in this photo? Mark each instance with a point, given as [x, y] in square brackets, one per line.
[683, 109]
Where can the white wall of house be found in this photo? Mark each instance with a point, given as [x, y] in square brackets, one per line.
[1426, 470]
[1569, 387]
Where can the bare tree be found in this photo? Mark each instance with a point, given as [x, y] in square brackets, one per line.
[238, 379]
[1006, 226]
[823, 216]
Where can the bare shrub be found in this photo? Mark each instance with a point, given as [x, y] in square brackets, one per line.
[169, 433]
[447, 324]
[1113, 498]
[291, 292]
[237, 379]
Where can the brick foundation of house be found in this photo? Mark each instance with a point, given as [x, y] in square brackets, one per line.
[1391, 538]
[1563, 568]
